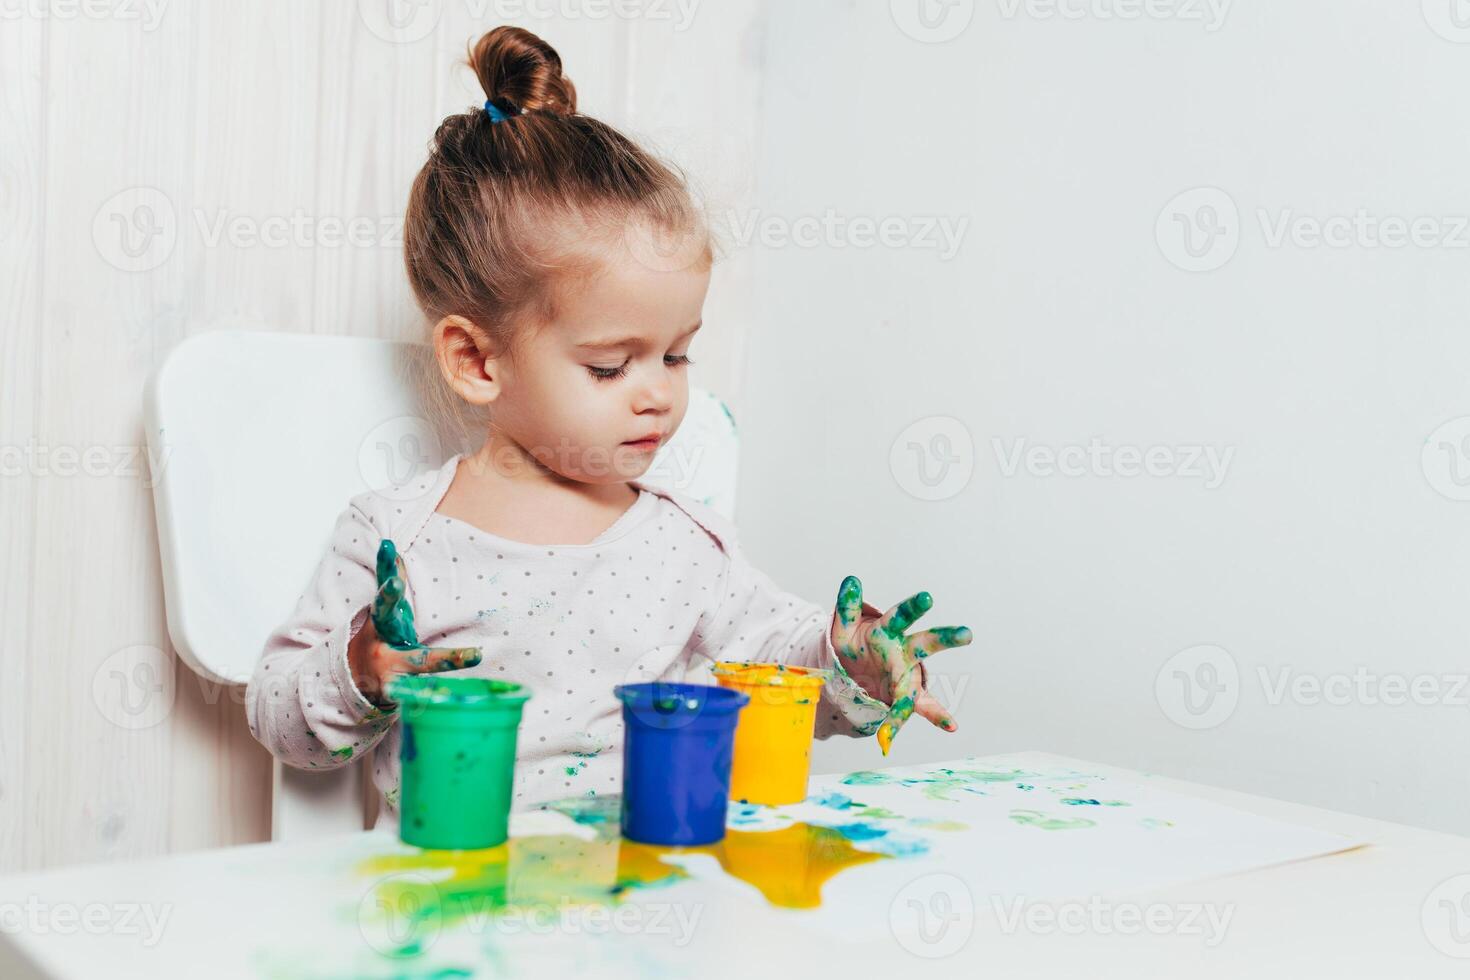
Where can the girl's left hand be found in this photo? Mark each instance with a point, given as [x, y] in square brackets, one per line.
[877, 654]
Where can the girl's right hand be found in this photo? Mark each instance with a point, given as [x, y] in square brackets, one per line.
[388, 645]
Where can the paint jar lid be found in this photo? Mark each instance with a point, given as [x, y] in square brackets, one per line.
[770, 675]
[421, 691]
[662, 698]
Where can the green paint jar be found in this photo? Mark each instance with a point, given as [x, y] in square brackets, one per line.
[458, 758]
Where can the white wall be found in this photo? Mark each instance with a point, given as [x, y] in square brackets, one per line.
[1328, 546]
[271, 116]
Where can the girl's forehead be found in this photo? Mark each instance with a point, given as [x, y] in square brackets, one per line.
[631, 299]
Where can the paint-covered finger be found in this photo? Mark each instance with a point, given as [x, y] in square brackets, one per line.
[930, 642]
[897, 620]
[434, 660]
[849, 615]
[387, 561]
[928, 706]
[393, 616]
[907, 686]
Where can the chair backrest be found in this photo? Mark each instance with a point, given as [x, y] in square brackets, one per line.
[264, 437]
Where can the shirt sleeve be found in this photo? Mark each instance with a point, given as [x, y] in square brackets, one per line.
[301, 702]
[755, 620]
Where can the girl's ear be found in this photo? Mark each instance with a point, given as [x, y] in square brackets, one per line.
[467, 361]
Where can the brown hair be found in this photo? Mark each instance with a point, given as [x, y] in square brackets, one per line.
[501, 213]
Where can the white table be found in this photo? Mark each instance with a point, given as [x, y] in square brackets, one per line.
[1382, 910]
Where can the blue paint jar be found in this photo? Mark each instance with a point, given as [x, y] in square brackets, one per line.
[678, 742]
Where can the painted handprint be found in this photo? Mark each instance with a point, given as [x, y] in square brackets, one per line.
[877, 654]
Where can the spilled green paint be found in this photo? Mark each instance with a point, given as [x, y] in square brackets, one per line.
[1073, 801]
[937, 784]
[1042, 821]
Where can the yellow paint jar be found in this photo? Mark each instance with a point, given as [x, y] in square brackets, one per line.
[773, 741]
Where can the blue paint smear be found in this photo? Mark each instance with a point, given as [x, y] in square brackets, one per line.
[860, 831]
[902, 847]
[741, 814]
[410, 750]
[835, 801]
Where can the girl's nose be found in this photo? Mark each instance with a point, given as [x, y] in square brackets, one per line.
[655, 394]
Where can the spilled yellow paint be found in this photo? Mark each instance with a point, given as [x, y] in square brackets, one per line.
[788, 866]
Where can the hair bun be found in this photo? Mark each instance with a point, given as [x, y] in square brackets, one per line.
[515, 66]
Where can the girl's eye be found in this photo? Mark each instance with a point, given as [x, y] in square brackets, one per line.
[608, 374]
[677, 360]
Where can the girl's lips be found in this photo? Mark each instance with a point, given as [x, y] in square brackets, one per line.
[643, 443]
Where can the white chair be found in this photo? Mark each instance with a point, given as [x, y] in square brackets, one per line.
[267, 436]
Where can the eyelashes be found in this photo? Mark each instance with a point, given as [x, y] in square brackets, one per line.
[612, 374]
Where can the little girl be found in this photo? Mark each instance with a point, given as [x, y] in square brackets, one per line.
[540, 558]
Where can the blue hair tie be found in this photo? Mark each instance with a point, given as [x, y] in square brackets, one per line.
[496, 113]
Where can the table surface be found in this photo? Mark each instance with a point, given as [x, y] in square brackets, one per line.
[363, 905]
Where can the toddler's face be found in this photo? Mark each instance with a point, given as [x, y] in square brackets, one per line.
[594, 394]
